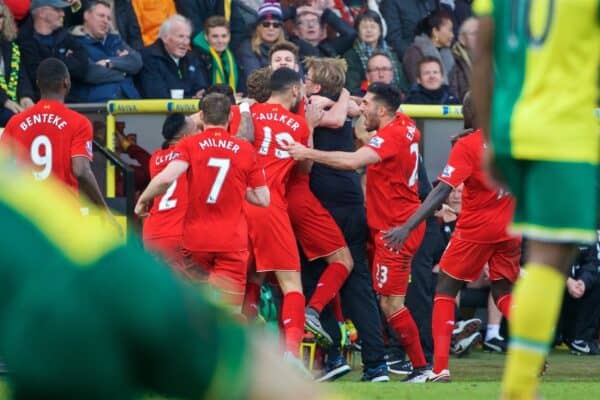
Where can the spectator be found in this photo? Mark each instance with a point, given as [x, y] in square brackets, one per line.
[460, 77]
[581, 313]
[46, 37]
[284, 54]
[123, 21]
[370, 39]
[235, 13]
[112, 62]
[311, 33]
[402, 17]
[218, 59]
[430, 88]
[254, 53]
[434, 38]
[16, 92]
[169, 65]
[460, 11]
[18, 8]
[350, 9]
[151, 14]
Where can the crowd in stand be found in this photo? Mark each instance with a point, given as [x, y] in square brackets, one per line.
[132, 49]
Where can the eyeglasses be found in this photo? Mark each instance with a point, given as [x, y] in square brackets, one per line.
[309, 22]
[267, 24]
[380, 69]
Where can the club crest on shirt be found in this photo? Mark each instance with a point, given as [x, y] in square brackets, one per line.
[376, 141]
[410, 132]
[447, 172]
[89, 147]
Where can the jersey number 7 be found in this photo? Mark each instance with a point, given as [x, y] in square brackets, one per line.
[223, 165]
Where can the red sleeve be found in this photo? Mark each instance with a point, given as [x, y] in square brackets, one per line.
[236, 118]
[81, 145]
[305, 134]
[183, 150]
[386, 146]
[459, 167]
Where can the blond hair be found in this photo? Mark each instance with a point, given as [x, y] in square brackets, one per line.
[256, 40]
[9, 27]
[330, 73]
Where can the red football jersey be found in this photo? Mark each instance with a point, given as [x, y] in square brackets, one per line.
[392, 183]
[275, 126]
[221, 168]
[47, 136]
[236, 118]
[486, 212]
[168, 210]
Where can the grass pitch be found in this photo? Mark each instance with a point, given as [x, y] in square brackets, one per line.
[477, 376]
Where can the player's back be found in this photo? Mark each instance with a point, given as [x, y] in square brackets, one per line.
[275, 126]
[486, 211]
[392, 183]
[47, 136]
[221, 168]
[168, 210]
[547, 56]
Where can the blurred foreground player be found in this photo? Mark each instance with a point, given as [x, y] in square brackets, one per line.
[87, 317]
[535, 81]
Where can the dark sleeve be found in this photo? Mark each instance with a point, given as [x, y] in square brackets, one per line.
[25, 88]
[130, 64]
[129, 28]
[588, 272]
[424, 184]
[30, 59]
[390, 9]
[152, 84]
[356, 73]
[192, 10]
[410, 63]
[346, 33]
[77, 59]
[247, 60]
[97, 74]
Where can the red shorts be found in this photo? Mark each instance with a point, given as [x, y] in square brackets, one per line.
[391, 270]
[464, 260]
[169, 247]
[223, 270]
[272, 239]
[315, 229]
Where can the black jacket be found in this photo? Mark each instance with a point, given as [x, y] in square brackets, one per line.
[328, 47]
[419, 95]
[160, 74]
[24, 88]
[587, 266]
[402, 17]
[66, 48]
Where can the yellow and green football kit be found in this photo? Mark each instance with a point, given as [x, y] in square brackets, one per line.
[85, 316]
[543, 126]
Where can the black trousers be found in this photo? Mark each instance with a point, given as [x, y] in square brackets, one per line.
[359, 302]
[580, 318]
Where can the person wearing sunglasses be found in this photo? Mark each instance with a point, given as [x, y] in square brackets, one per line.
[254, 53]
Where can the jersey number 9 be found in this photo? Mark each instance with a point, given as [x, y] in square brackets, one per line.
[41, 156]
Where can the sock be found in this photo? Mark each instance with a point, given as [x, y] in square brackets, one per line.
[251, 301]
[292, 317]
[442, 325]
[404, 325]
[336, 305]
[504, 303]
[537, 299]
[329, 285]
[492, 331]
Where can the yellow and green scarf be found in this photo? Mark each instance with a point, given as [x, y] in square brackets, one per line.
[224, 68]
[10, 87]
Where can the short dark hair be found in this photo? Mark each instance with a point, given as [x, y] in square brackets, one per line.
[216, 108]
[282, 79]
[369, 15]
[285, 45]
[222, 88]
[386, 94]
[214, 22]
[427, 60]
[434, 20]
[468, 111]
[173, 125]
[89, 4]
[51, 74]
[379, 53]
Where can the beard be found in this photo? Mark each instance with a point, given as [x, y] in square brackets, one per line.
[371, 122]
[296, 105]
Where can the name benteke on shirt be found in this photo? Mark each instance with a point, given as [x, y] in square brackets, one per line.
[46, 118]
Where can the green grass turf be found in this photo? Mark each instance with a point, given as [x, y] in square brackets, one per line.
[476, 376]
